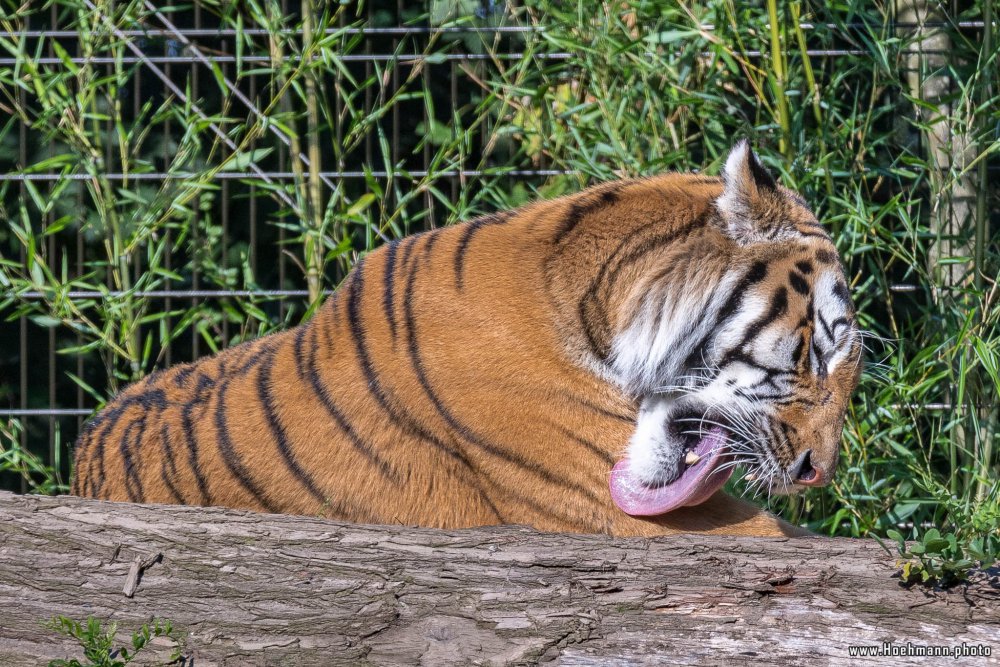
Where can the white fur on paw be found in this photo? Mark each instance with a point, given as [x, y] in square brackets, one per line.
[653, 455]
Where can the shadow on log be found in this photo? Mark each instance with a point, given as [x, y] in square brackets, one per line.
[257, 589]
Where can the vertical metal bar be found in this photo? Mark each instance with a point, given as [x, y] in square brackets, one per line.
[22, 322]
[369, 70]
[196, 208]
[454, 97]
[224, 209]
[428, 197]
[167, 351]
[338, 132]
[79, 270]
[252, 213]
[282, 166]
[53, 261]
[394, 151]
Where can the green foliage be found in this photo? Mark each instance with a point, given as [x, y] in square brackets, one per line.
[39, 476]
[943, 559]
[947, 558]
[98, 644]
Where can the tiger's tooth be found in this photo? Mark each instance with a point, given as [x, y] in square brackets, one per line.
[691, 458]
[750, 477]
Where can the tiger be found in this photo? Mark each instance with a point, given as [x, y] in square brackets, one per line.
[599, 362]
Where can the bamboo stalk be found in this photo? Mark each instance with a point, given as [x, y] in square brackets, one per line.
[987, 416]
[779, 80]
[813, 89]
[314, 235]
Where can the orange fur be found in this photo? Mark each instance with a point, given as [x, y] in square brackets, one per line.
[453, 380]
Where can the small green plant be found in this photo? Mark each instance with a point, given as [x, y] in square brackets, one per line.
[944, 560]
[39, 476]
[98, 643]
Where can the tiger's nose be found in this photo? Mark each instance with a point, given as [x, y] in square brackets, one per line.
[804, 473]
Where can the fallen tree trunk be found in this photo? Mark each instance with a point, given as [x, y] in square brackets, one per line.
[254, 589]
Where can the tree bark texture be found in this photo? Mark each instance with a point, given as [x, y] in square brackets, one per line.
[256, 589]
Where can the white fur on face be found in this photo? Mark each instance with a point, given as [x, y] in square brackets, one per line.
[835, 332]
[661, 336]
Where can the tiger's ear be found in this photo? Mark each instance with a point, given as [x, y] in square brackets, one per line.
[750, 203]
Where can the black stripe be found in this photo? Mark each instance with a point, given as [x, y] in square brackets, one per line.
[98, 484]
[595, 325]
[246, 356]
[770, 376]
[323, 394]
[805, 266]
[786, 439]
[594, 449]
[133, 483]
[300, 335]
[408, 244]
[761, 177]
[597, 408]
[389, 286]
[167, 476]
[842, 293]
[593, 316]
[755, 274]
[779, 306]
[826, 257]
[471, 228]
[455, 424]
[798, 283]
[839, 322]
[230, 456]
[183, 374]
[108, 418]
[610, 270]
[738, 355]
[586, 204]
[688, 331]
[281, 438]
[826, 328]
[83, 446]
[192, 442]
[800, 355]
[399, 417]
[776, 441]
[300, 359]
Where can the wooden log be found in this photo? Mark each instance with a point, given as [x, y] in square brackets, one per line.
[257, 589]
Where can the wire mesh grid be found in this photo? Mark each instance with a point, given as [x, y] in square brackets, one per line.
[187, 54]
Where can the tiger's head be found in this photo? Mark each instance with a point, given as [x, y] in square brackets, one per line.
[743, 344]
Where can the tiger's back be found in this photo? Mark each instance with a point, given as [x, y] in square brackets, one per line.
[402, 400]
[457, 378]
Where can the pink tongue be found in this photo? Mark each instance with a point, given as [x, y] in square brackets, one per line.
[695, 485]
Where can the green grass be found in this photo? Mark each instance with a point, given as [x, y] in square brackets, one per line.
[645, 88]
